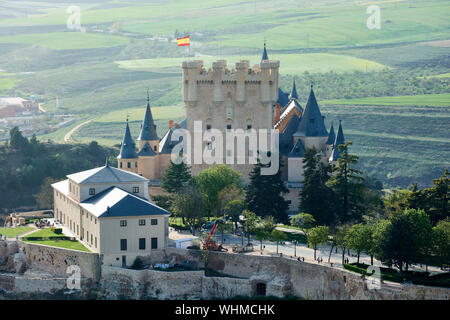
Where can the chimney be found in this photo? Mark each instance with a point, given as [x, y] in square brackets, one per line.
[277, 114]
[170, 124]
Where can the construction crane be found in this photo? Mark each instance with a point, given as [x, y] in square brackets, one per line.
[211, 244]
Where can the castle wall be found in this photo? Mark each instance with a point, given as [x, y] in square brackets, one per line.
[242, 98]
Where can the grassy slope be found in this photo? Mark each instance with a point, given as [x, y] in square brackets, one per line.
[290, 63]
[68, 244]
[67, 40]
[437, 100]
[12, 232]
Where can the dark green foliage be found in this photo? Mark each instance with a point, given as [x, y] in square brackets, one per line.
[138, 264]
[163, 201]
[175, 177]
[264, 194]
[316, 197]
[24, 170]
[348, 187]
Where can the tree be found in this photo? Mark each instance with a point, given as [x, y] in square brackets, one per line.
[213, 180]
[175, 177]
[397, 244]
[348, 187]
[439, 196]
[17, 140]
[264, 194]
[441, 235]
[339, 239]
[250, 223]
[422, 232]
[163, 200]
[190, 204]
[316, 236]
[268, 224]
[278, 236]
[304, 221]
[234, 209]
[261, 235]
[228, 194]
[359, 238]
[316, 197]
[44, 197]
[224, 227]
[396, 202]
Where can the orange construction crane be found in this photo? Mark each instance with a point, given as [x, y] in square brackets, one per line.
[210, 244]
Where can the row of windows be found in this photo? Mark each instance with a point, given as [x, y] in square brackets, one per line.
[142, 245]
[153, 222]
[92, 191]
[229, 127]
[128, 165]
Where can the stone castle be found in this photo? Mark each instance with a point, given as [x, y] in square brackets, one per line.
[243, 98]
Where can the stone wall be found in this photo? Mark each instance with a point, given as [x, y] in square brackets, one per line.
[287, 277]
[119, 283]
[56, 260]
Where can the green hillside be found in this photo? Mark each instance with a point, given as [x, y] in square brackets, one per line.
[390, 86]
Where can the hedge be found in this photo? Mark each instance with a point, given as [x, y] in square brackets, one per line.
[46, 238]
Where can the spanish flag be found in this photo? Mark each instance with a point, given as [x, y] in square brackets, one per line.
[183, 41]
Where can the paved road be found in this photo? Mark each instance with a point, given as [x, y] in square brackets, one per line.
[72, 131]
[302, 251]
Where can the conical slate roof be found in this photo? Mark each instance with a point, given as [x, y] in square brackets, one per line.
[293, 94]
[147, 151]
[339, 140]
[297, 151]
[127, 150]
[312, 123]
[283, 98]
[148, 127]
[264, 55]
[331, 136]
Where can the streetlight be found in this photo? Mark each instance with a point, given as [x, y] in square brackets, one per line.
[295, 248]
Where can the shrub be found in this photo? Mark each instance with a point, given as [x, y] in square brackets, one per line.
[57, 230]
[138, 264]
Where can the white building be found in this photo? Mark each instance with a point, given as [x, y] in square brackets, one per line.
[109, 212]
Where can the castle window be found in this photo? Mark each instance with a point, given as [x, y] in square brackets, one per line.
[135, 189]
[142, 222]
[123, 223]
[123, 244]
[154, 148]
[249, 127]
[141, 243]
[121, 164]
[129, 165]
[91, 191]
[208, 127]
[154, 222]
[209, 144]
[135, 164]
[154, 243]
[228, 126]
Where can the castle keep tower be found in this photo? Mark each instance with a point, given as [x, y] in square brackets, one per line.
[127, 158]
[224, 99]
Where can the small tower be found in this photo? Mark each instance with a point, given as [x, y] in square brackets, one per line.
[330, 141]
[295, 163]
[264, 55]
[148, 130]
[293, 94]
[311, 129]
[148, 163]
[127, 158]
[335, 154]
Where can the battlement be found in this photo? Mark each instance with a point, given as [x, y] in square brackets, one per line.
[196, 68]
[264, 75]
